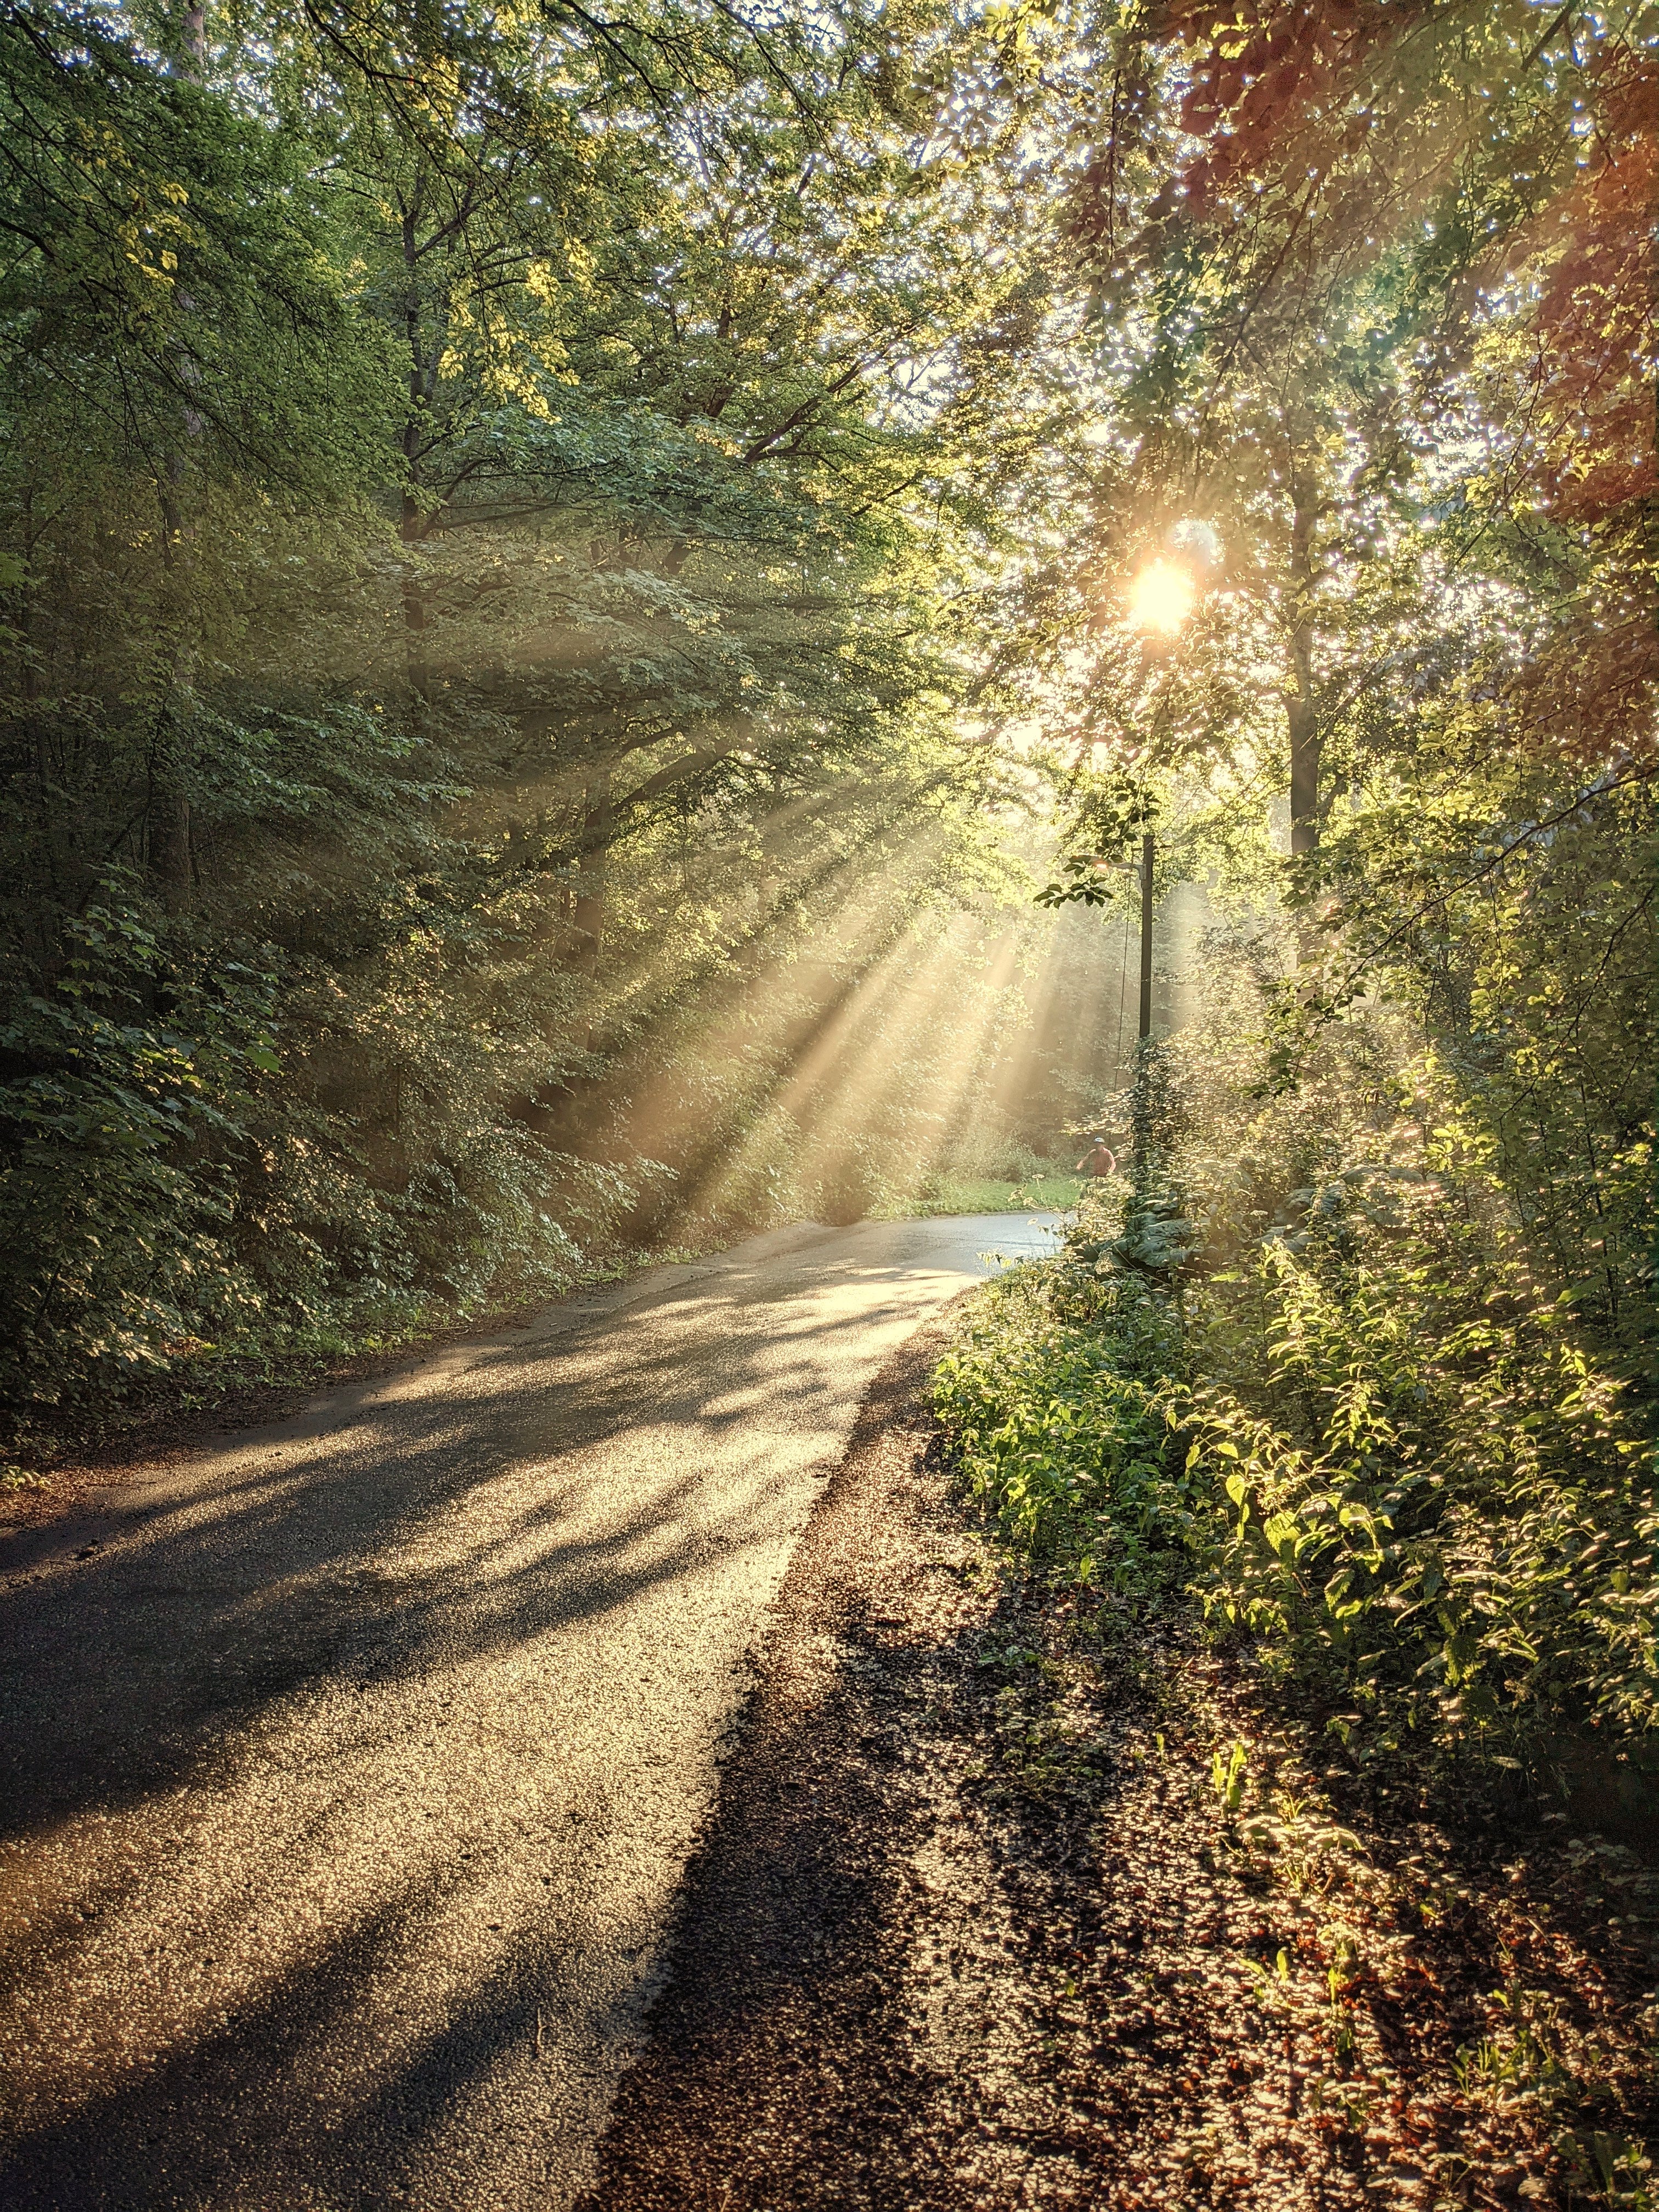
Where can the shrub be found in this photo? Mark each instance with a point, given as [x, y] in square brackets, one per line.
[1370, 1443]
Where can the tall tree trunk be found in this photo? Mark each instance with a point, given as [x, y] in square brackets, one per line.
[1304, 777]
[599, 826]
[1301, 709]
[412, 521]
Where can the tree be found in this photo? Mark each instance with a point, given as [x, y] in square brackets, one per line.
[494, 506]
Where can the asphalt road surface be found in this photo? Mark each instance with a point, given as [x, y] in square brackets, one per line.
[349, 1768]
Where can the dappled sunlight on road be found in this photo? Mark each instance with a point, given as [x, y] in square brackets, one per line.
[351, 1765]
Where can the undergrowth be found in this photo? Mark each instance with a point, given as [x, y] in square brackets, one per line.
[1366, 1440]
[1300, 1398]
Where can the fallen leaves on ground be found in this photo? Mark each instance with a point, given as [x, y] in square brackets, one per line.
[1011, 1901]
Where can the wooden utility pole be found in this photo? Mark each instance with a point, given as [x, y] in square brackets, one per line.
[1146, 935]
[1144, 873]
[1301, 707]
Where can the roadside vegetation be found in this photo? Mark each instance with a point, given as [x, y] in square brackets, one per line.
[1325, 1400]
[500, 522]
[1348, 1381]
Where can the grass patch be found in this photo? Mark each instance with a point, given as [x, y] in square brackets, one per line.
[945, 1194]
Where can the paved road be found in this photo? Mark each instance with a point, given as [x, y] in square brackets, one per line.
[346, 1785]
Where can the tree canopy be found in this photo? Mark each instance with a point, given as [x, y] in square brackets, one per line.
[568, 574]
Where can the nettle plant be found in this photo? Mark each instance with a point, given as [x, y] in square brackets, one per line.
[1436, 1495]
[1355, 1425]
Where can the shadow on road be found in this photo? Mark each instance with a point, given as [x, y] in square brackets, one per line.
[862, 1979]
[346, 1770]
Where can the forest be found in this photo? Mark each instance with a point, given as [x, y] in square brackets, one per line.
[1362, 1355]
[596, 605]
[572, 582]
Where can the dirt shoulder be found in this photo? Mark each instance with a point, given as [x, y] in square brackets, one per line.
[976, 1926]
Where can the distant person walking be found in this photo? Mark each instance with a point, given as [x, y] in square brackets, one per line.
[1098, 1160]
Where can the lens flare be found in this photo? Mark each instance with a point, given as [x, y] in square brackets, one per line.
[1161, 598]
[1199, 541]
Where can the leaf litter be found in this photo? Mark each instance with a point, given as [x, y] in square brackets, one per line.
[1010, 1901]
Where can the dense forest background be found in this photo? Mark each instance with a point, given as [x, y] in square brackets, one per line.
[570, 573]
[502, 514]
[1360, 1355]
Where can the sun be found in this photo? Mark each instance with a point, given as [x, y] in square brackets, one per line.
[1161, 598]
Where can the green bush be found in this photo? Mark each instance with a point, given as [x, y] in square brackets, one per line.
[1369, 1443]
[1060, 1425]
[1420, 1481]
[114, 1211]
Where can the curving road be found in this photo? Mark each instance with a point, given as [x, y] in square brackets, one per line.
[348, 1769]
